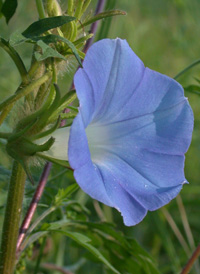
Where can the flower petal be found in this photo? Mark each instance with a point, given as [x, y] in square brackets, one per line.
[127, 144]
[111, 72]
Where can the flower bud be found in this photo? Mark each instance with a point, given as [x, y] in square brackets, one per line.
[53, 8]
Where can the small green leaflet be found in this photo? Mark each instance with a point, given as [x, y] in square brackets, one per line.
[47, 52]
[63, 194]
[43, 25]
[8, 9]
[51, 38]
[43, 41]
[17, 38]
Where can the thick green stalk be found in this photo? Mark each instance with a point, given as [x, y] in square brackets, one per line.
[25, 91]
[12, 219]
[16, 58]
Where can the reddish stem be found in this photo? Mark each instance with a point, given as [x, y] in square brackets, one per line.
[43, 180]
[191, 261]
[32, 208]
[94, 26]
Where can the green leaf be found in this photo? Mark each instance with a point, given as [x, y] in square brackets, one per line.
[8, 9]
[17, 38]
[193, 89]
[122, 248]
[63, 194]
[51, 38]
[47, 52]
[85, 242]
[102, 15]
[43, 25]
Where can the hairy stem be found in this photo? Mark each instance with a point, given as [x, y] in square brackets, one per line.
[16, 58]
[25, 91]
[12, 219]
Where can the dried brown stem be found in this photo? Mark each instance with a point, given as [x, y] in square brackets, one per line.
[191, 261]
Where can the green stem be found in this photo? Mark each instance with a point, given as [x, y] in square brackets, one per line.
[16, 58]
[25, 91]
[12, 219]
[79, 9]
[70, 7]
[187, 68]
[40, 9]
[5, 113]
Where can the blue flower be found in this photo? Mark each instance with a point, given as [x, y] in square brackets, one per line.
[127, 143]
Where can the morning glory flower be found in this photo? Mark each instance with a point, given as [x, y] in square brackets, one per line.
[128, 141]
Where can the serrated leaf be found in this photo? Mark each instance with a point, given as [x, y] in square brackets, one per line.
[43, 25]
[47, 52]
[85, 242]
[8, 9]
[64, 193]
[51, 38]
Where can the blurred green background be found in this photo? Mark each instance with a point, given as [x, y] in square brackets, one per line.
[165, 35]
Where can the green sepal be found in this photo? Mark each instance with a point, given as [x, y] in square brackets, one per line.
[80, 42]
[54, 161]
[56, 101]
[47, 132]
[54, 105]
[22, 149]
[17, 135]
[102, 15]
[39, 27]
[64, 102]
[73, 108]
[29, 119]
[68, 98]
